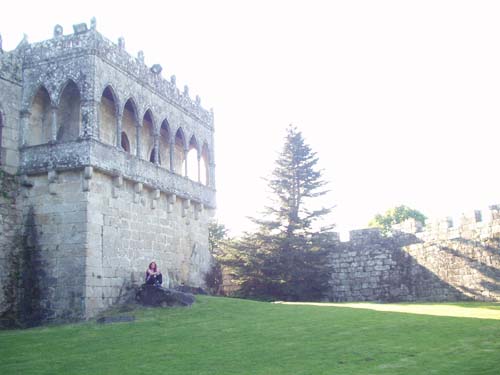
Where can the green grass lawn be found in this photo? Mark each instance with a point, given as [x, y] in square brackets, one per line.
[230, 336]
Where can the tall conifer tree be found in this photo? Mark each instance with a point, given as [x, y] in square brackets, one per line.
[284, 259]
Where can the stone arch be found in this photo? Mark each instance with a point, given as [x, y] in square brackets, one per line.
[192, 159]
[129, 124]
[164, 144]
[39, 130]
[77, 81]
[69, 113]
[108, 116]
[147, 136]
[30, 93]
[125, 142]
[205, 165]
[179, 152]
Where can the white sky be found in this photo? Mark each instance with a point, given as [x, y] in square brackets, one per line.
[400, 99]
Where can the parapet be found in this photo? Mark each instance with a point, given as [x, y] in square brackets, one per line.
[470, 224]
[88, 41]
[366, 235]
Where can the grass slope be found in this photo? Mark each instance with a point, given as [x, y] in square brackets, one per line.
[229, 336]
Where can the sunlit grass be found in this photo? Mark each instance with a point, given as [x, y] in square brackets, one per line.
[459, 310]
[229, 336]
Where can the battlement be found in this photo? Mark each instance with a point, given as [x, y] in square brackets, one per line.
[471, 224]
[88, 41]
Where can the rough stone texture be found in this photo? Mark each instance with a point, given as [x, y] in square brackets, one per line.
[10, 218]
[102, 213]
[60, 216]
[129, 229]
[10, 98]
[440, 263]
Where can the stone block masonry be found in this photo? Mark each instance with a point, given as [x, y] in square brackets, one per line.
[113, 167]
[10, 219]
[131, 226]
[436, 263]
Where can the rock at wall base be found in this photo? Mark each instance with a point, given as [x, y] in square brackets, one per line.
[149, 295]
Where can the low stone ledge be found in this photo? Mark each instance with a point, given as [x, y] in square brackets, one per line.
[107, 159]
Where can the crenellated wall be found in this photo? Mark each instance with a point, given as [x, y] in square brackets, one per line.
[437, 262]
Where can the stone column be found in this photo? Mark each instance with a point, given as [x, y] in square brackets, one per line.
[186, 151]
[211, 175]
[171, 146]
[156, 149]
[90, 124]
[199, 167]
[211, 164]
[138, 141]
[119, 130]
[53, 124]
[23, 128]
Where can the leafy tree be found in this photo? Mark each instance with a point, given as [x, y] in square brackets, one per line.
[217, 242]
[283, 259]
[395, 215]
[217, 234]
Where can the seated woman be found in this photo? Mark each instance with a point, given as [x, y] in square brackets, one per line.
[153, 275]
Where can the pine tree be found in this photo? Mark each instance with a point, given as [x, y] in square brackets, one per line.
[294, 181]
[284, 259]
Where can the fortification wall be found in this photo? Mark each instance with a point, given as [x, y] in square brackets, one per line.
[130, 225]
[9, 228]
[434, 263]
[54, 209]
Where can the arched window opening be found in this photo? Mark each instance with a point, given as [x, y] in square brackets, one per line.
[179, 157]
[204, 164]
[68, 114]
[108, 119]
[192, 159]
[152, 156]
[129, 124]
[39, 131]
[164, 150]
[147, 134]
[125, 143]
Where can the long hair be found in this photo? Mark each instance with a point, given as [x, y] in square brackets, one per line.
[151, 268]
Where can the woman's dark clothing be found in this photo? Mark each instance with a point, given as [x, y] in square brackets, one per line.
[154, 279]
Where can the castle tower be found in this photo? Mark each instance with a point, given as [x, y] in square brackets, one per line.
[115, 168]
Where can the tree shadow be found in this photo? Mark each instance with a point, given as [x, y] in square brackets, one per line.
[378, 268]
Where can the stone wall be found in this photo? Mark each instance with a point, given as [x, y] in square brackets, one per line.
[57, 207]
[130, 225]
[446, 265]
[10, 96]
[9, 228]
[96, 235]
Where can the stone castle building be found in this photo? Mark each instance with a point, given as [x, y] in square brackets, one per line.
[105, 166]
